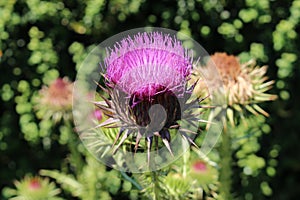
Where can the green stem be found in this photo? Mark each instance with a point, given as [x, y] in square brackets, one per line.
[225, 164]
[132, 181]
[76, 159]
[185, 160]
[156, 185]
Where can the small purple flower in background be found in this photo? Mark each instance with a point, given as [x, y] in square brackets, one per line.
[146, 81]
[97, 114]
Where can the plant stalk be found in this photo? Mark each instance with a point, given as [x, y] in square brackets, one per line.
[225, 164]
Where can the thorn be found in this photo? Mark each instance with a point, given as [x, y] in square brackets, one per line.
[108, 102]
[167, 144]
[156, 144]
[193, 85]
[101, 103]
[206, 121]
[108, 122]
[192, 123]
[149, 144]
[104, 108]
[191, 104]
[118, 136]
[184, 135]
[188, 131]
[176, 126]
[202, 99]
[101, 87]
[165, 134]
[121, 142]
[137, 141]
[207, 107]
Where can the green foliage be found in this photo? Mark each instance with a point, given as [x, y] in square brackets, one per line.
[41, 40]
[34, 188]
[93, 182]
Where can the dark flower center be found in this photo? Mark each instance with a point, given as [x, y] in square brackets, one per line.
[140, 108]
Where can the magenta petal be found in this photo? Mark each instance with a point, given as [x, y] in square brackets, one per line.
[148, 62]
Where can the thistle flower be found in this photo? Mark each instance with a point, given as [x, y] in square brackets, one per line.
[244, 84]
[199, 167]
[35, 188]
[55, 101]
[34, 184]
[146, 80]
[203, 172]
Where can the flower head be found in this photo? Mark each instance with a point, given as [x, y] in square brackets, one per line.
[203, 172]
[228, 66]
[244, 84]
[55, 100]
[58, 95]
[34, 184]
[35, 188]
[147, 64]
[146, 80]
[199, 166]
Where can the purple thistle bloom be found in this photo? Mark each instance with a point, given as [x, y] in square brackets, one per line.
[142, 66]
[148, 69]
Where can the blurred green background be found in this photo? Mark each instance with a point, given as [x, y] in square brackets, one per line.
[41, 40]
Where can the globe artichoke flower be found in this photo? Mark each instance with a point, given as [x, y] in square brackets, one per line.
[146, 81]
